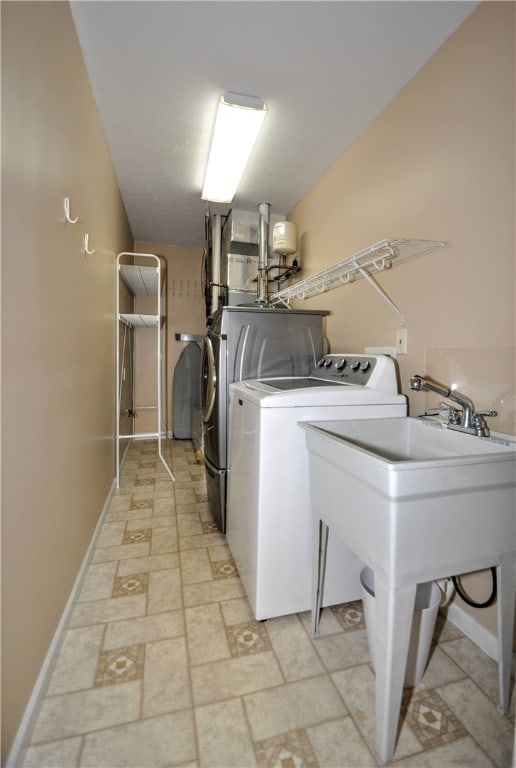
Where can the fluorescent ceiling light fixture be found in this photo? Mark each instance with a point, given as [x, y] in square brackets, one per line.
[238, 121]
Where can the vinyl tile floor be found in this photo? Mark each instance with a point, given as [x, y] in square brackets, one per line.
[163, 665]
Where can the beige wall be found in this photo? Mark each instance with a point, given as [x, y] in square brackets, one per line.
[185, 314]
[438, 163]
[58, 332]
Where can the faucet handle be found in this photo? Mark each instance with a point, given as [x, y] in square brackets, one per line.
[453, 414]
[479, 422]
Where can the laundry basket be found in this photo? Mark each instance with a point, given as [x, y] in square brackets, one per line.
[428, 597]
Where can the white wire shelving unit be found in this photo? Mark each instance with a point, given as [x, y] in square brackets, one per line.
[142, 279]
[373, 259]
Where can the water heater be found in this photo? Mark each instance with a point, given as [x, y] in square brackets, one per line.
[284, 238]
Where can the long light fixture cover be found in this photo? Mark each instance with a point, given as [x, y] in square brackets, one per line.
[238, 121]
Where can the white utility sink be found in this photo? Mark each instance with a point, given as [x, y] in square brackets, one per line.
[415, 501]
[411, 440]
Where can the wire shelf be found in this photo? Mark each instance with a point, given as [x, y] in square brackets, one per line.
[140, 321]
[375, 258]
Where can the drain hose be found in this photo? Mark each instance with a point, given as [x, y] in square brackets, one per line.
[467, 599]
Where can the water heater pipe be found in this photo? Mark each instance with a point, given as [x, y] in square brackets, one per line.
[263, 250]
[215, 262]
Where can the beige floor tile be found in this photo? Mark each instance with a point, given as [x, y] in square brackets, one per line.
[462, 753]
[77, 661]
[339, 743]
[143, 491]
[195, 566]
[345, 649]
[146, 629]
[151, 522]
[147, 471]
[185, 496]
[328, 624]
[292, 706]
[122, 552]
[127, 483]
[248, 637]
[201, 541]
[198, 472]
[71, 714]
[357, 688]
[236, 611]
[475, 663]
[158, 742]
[164, 591]
[440, 670]
[219, 552]
[294, 649]
[125, 514]
[275, 703]
[163, 480]
[148, 563]
[189, 525]
[111, 534]
[198, 508]
[491, 730]
[223, 736]
[166, 681]
[182, 475]
[120, 501]
[166, 496]
[164, 506]
[226, 679]
[57, 754]
[206, 633]
[98, 584]
[164, 539]
[290, 749]
[130, 466]
[212, 591]
[444, 629]
[102, 611]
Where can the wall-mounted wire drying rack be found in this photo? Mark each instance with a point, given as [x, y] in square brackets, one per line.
[365, 263]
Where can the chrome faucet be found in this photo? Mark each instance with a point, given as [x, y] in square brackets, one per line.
[468, 420]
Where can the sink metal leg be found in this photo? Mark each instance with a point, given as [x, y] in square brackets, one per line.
[506, 597]
[394, 608]
[318, 570]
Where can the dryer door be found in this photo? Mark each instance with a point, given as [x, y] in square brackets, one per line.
[209, 380]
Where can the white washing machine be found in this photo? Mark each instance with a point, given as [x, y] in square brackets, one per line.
[269, 516]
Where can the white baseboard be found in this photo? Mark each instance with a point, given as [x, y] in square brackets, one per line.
[485, 640]
[28, 720]
[478, 634]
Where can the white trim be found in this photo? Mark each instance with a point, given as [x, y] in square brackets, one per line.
[478, 634]
[485, 640]
[28, 720]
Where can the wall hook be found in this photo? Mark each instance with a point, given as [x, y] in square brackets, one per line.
[67, 212]
[87, 245]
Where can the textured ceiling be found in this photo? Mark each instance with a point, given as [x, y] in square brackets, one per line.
[326, 69]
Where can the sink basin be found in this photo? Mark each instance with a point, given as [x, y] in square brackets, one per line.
[413, 497]
[412, 440]
[416, 502]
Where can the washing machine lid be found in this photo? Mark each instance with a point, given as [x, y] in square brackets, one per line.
[297, 382]
[264, 394]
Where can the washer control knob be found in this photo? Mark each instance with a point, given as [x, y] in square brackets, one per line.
[320, 362]
[328, 362]
[355, 365]
[365, 366]
[341, 364]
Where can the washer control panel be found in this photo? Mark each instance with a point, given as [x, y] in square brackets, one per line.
[346, 368]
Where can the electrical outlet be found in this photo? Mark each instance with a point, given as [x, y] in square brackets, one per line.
[401, 341]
